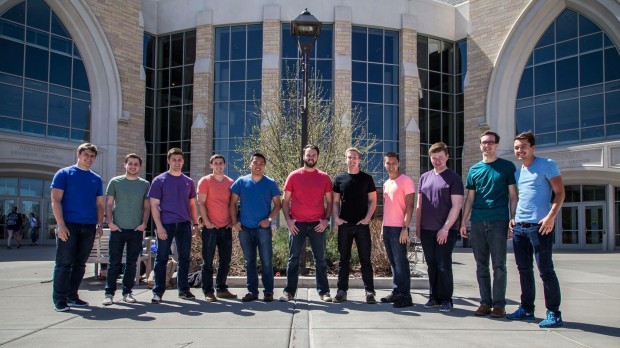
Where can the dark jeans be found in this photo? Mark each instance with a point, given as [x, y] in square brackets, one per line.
[222, 239]
[182, 233]
[118, 240]
[71, 257]
[528, 244]
[361, 234]
[439, 262]
[397, 255]
[34, 234]
[296, 247]
[488, 238]
[250, 239]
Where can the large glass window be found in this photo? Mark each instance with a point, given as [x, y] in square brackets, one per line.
[570, 87]
[375, 92]
[44, 90]
[169, 67]
[237, 89]
[442, 66]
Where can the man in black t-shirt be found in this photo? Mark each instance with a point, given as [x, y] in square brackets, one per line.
[354, 202]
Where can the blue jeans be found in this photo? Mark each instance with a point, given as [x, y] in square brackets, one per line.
[118, 239]
[250, 239]
[222, 239]
[71, 257]
[182, 233]
[439, 262]
[34, 234]
[361, 234]
[528, 244]
[296, 247]
[488, 238]
[397, 255]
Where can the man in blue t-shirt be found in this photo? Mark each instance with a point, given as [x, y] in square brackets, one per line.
[257, 192]
[491, 189]
[173, 207]
[533, 225]
[77, 204]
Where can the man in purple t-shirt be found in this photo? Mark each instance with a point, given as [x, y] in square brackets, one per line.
[173, 208]
[440, 197]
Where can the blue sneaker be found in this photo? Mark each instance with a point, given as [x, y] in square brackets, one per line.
[520, 314]
[553, 320]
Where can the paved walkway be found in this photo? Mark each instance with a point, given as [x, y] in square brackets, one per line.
[591, 309]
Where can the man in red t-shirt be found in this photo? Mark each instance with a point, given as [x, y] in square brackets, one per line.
[213, 200]
[307, 207]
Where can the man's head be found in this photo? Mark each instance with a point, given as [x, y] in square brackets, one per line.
[488, 142]
[218, 164]
[352, 156]
[175, 159]
[257, 164]
[133, 162]
[439, 155]
[524, 146]
[86, 154]
[391, 162]
[311, 155]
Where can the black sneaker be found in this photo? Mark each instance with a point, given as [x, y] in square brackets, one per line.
[403, 301]
[341, 295]
[432, 303]
[391, 298]
[61, 306]
[187, 295]
[370, 298]
[77, 303]
[156, 299]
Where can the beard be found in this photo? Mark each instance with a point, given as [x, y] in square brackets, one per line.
[310, 165]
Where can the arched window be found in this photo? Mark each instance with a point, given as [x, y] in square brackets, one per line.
[44, 90]
[570, 88]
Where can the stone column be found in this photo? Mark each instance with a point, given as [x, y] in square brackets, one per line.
[342, 64]
[272, 42]
[409, 132]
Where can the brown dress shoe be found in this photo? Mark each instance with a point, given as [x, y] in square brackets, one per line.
[268, 298]
[249, 297]
[225, 294]
[483, 310]
[210, 297]
[498, 312]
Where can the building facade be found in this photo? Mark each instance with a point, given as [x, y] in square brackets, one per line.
[144, 75]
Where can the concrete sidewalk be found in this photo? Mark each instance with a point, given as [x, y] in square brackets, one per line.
[591, 305]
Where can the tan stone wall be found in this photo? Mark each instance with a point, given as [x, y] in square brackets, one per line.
[491, 21]
[409, 142]
[124, 34]
[342, 77]
[272, 38]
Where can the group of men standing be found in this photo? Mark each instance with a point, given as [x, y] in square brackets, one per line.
[503, 203]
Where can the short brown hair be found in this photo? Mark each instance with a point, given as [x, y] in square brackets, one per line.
[87, 146]
[353, 149]
[529, 136]
[438, 147]
[393, 155]
[133, 155]
[313, 147]
[216, 156]
[491, 133]
[174, 151]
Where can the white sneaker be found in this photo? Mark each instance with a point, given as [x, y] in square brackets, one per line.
[286, 297]
[108, 300]
[129, 298]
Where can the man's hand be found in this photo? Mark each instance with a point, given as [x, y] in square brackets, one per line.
[140, 228]
[98, 231]
[442, 237]
[264, 223]
[364, 221]
[208, 224]
[404, 236]
[546, 225]
[113, 227]
[463, 231]
[292, 227]
[161, 233]
[323, 224]
[195, 230]
[236, 226]
[340, 221]
[62, 232]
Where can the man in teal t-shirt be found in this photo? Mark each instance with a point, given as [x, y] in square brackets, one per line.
[491, 191]
[128, 211]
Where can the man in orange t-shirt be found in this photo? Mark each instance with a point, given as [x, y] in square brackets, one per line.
[213, 200]
[307, 207]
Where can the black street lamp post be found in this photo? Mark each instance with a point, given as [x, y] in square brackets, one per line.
[305, 29]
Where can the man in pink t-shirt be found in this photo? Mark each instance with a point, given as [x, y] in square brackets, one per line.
[213, 200]
[398, 192]
[307, 207]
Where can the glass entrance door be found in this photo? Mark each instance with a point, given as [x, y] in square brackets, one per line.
[569, 236]
[28, 206]
[582, 226]
[6, 205]
[595, 228]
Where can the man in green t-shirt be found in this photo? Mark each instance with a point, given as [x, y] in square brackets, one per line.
[127, 211]
[492, 200]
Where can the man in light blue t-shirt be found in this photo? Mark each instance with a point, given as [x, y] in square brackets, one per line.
[260, 204]
[533, 226]
[77, 203]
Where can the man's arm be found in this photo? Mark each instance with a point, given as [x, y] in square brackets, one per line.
[404, 233]
[234, 199]
[336, 209]
[109, 213]
[418, 216]
[324, 223]
[457, 203]
[513, 193]
[469, 202]
[286, 209]
[146, 213]
[100, 216]
[194, 213]
[372, 205]
[161, 231]
[557, 185]
[62, 231]
[277, 205]
[202, 206]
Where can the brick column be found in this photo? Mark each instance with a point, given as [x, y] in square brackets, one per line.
[272, 38]
[409, 131]
[342, 64]
[202, 126]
